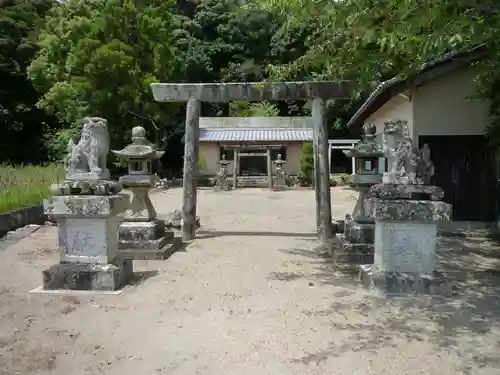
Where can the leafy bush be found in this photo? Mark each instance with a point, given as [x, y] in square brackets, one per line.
[24, 186]
[56, 142]
[205, 181]
[306, 170]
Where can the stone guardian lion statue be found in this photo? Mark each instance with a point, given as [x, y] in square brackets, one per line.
[88, 157]
[402, 156]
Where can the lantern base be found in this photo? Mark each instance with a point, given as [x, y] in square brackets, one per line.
[146, 240]
[346, 252]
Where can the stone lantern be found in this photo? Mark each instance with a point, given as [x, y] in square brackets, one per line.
[357, 242]
[141, 235]
[366, 154]
[280, 180]
[221, 182]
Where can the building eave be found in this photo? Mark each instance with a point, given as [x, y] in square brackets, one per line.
[395, 86]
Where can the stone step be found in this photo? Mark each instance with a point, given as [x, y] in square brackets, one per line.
[351, 253]
[344, 257]
[251, 181]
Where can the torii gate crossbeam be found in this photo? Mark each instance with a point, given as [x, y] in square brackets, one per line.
[195, 93]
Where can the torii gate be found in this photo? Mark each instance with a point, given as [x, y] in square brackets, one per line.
[195, 93]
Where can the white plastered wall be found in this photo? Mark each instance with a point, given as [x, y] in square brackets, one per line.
[445, 106]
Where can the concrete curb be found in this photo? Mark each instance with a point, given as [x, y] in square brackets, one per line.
[13, 220]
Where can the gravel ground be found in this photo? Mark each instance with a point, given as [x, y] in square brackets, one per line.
[252, 295]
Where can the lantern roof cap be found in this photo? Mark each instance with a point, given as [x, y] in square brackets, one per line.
[140, 148]
[368, 147]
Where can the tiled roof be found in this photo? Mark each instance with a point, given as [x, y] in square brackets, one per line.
[255, 134]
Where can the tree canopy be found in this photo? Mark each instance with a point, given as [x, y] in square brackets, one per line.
[100, 57]
[20, 120]
[63, 60]
[369, 41]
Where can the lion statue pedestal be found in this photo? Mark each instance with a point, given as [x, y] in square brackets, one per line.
[88, 209]
[406, 209]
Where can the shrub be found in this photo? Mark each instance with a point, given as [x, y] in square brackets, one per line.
[306, 170]
[27, 185]
[205, 181]
[56, 142]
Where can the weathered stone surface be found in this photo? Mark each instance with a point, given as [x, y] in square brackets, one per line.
[87, 240]
[140, 231]
[366, 179]
[222, 180]
[357, 242]
[139, 150]
[85, 205]
[358, 232]
[86, 184]
[174, 220]
[408, 210]
[368, 147]
[279, 180]
[405, 246]
[87, 159]
[190, 176]
[140, 246]
[322, 177]
[144, 240]
[141, 208]
[250, 91]
[338, 226]
[158, 253]
[407, 164]
[141, 235]
[80, 276]
[139, 156]
[395, 283]
[395, 191]
[352, 253]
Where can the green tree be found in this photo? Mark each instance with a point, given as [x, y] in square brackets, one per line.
[369, 41]
[306, 169]
[247, 109]
[99, 57]
[223, 41]
[20, 120]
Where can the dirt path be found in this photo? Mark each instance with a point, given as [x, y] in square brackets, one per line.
[250, 296]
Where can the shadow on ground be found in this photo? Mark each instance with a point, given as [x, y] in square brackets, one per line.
[204, 234]
[452, 325]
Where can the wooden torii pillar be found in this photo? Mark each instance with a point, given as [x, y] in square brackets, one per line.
[195, 93]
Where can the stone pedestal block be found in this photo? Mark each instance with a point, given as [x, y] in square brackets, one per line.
[82, 276]
[87, 242]
[393, 283]
[279, 182]
[146, 240]
[355, 246]
[347, 252]
[405, 246]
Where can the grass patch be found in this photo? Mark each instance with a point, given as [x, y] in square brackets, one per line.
[22, 186]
